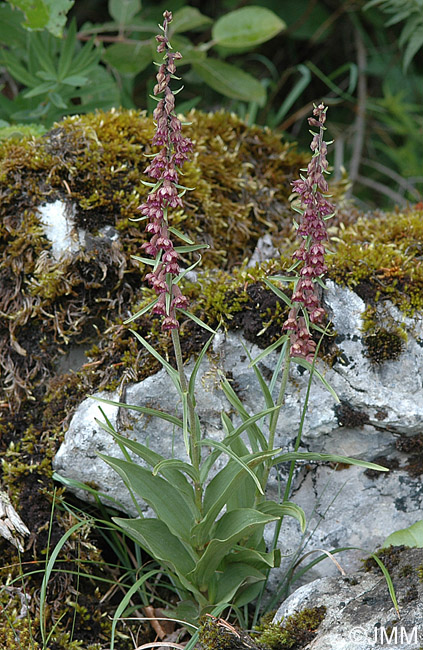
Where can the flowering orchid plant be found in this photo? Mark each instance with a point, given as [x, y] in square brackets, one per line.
[207, 533]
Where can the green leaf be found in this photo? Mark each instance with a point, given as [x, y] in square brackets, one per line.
[188, 19]
[166, 501]
[122, 11]
[11, 32]
[16, 70]
[233, 578]
[278, 292]
[221, 488]
[235, 433]
[413, 46]
[231, 528]
[129, 58]
[284, 509]
[42, 89]
[246, 27]
[192, 379]
[226, 450]
[230, 81]
[141, 409]
[144, 260]
[180, 234]
[75, 80]
[173, 374]
[269, 349]
[67, 51]
[411, 536]
[255, 435]
[49, 569]
[178, 464]
[306, 364]
[190, 248]
[264, 388]
[126, 600]
[197, 320]
[327, 458]
[141, 311]
[152, 458]
[252, 557]
[38, 48]
[185, 432]
[57, 100]
[156, 538]
[44, 14]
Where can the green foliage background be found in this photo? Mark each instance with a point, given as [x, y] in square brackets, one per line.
[363, 58]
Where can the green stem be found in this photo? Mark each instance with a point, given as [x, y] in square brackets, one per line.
[195, 449]
[275, 415]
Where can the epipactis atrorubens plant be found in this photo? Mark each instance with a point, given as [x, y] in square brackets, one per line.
[207, 532]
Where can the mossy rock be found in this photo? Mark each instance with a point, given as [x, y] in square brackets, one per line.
[95, 163]
[241, 177]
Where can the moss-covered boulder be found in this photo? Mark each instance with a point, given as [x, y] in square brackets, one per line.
[50, 306]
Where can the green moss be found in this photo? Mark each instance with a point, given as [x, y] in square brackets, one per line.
[390, 557]
[295, 631]
[19, 131]
[379, 257]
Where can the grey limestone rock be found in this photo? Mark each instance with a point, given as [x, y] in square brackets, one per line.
[359, 611]
[378, 406]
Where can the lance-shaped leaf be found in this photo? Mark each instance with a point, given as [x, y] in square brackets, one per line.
[281, 509]
[230, 529]
[156, 538]
[169, 506]
[221, 488]
[327, 458]
[254, 558]
[171, 473]
[233, 578]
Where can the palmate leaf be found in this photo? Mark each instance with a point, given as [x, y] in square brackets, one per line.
[44, 14]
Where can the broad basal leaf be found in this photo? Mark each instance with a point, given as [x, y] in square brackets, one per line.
[168, 504]
[230, 529]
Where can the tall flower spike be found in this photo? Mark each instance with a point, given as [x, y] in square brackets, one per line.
[311, 252]
[163, 169]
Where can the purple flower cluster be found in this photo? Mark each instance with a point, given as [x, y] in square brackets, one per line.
[312, 229]
[164, 169]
